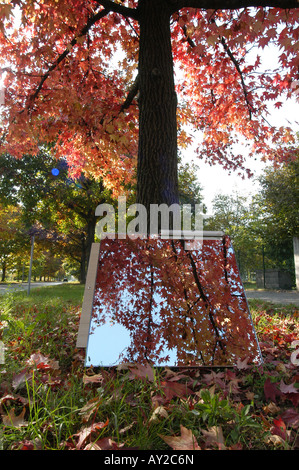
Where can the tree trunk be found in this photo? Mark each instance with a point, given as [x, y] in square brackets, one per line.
[157, 180]
[87, 239]
[83, 260]
[3, 271]
[91, 228]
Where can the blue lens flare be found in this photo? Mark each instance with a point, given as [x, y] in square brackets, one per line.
[55, 172]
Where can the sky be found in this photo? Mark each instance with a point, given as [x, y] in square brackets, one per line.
[214, 179]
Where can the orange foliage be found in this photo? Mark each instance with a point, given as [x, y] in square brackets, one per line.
[69, 68]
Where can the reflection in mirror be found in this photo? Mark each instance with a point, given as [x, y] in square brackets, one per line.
[157, 302]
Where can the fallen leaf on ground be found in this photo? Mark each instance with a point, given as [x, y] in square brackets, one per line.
[103, 444]
[175, 389]
[96, 378]
[291, 417]
[186, 441]
[42, 361]
[21, 378]
[279, 429]
[271, 390]
[140, 371]
[159, 412]
[241, 365]
[214, 437]
[87, 410]
[288, 388]
[271, 409]
[86, 433]
[16, 421]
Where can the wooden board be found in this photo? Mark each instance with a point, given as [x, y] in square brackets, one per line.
[88, 298]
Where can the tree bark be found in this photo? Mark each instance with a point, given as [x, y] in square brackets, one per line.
[83, 260]
[91, 228]
[157, 179]
[3, 271]
[87, 239]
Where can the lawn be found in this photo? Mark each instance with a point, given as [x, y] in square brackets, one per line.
[49, 401]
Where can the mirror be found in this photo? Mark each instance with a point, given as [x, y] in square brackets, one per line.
[156, 301]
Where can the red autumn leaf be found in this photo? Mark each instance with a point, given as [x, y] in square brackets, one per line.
[141, 371]
[294, 398]
[42, 362]
[86, 432]
[291, 417]
[11, 398]
[175, 389]
[271, 391]
[173, 375]
[27, 445]
[279, 423]
[186, 441]
[43, 366]
[279, 428]
[214, 378]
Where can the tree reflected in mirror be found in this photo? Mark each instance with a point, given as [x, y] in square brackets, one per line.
[156, 301]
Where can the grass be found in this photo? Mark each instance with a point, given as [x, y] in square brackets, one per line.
[49, 401]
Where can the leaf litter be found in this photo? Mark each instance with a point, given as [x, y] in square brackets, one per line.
[240, 408]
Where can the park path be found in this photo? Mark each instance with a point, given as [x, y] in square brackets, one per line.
[16, 287]
[274, 296]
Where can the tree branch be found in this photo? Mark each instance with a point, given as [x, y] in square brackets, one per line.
[133, 91]
[117, 8]
[131, 95]
[92, 20]
[236, 64]
[101, 14]
[209, 307]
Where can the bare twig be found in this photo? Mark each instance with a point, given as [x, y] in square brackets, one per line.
[117, 8]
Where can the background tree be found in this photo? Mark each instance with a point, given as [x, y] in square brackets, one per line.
[190, 190]
[11, 237]
[279, 196]
[63, 84]
[277, 207]
[57, 209]
[233, 214]
[262, 226]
